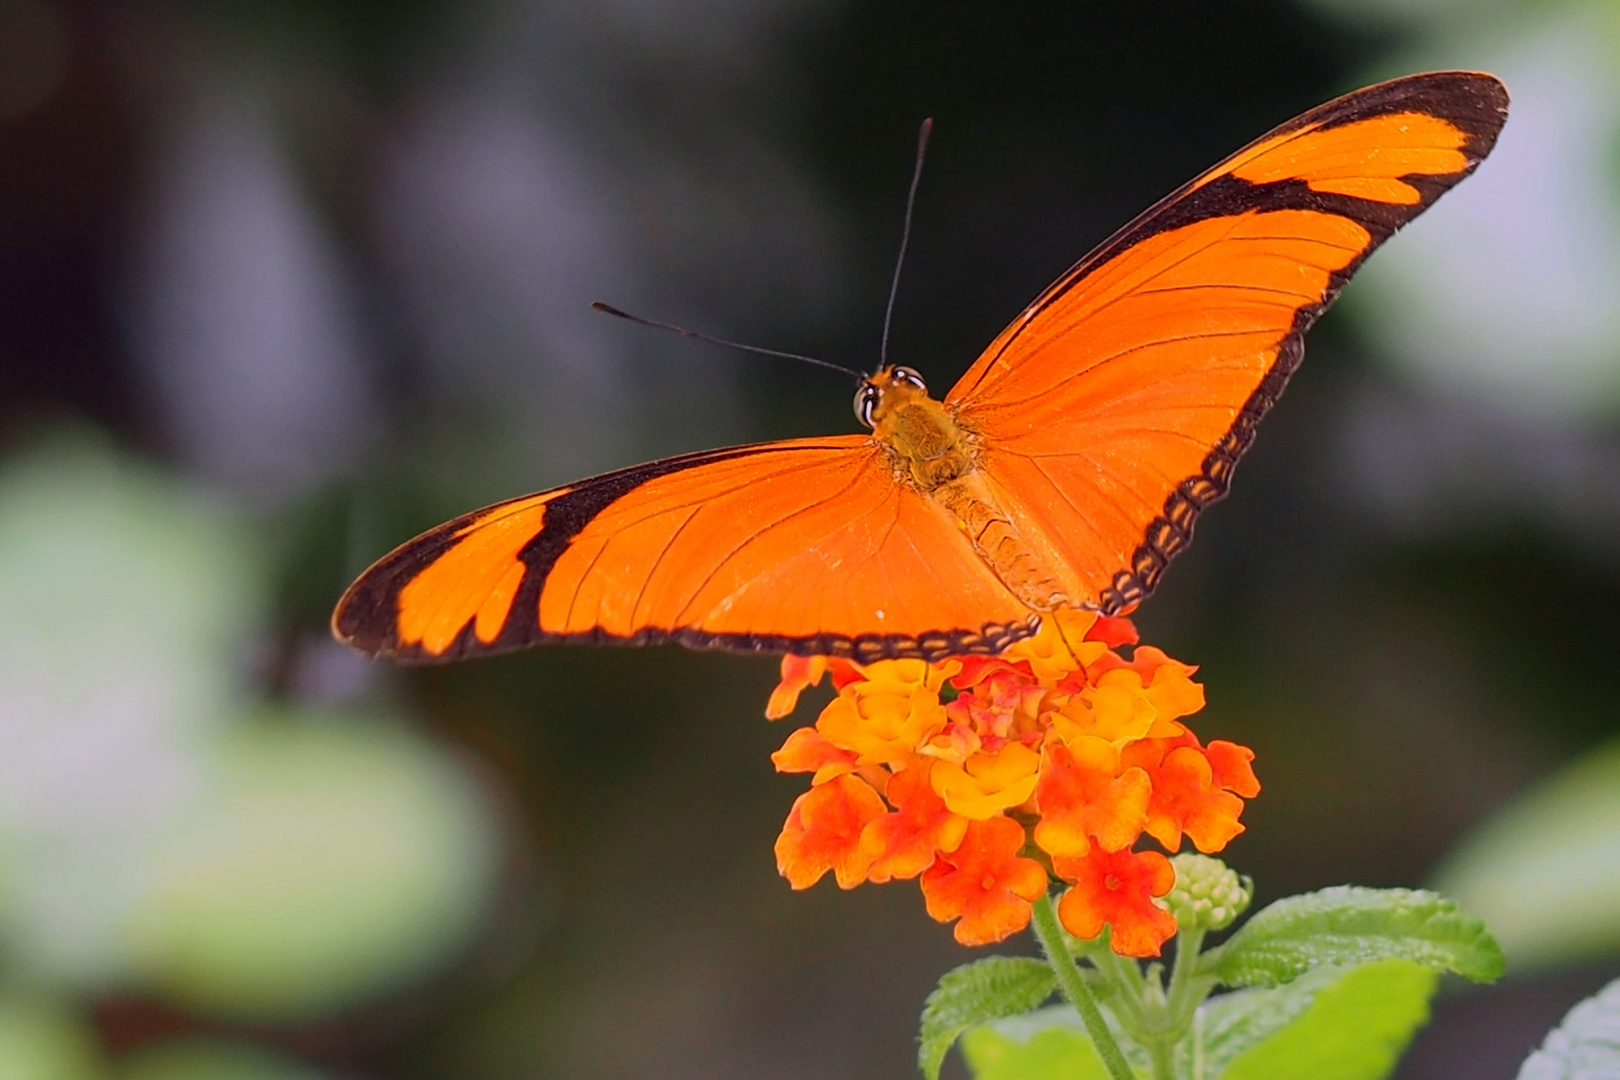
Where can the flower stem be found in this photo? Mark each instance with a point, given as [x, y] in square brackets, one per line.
[1187, 989]
[1077, 992]
[1163, 1062]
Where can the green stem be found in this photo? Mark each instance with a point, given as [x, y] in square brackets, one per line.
[1077, 992]
[1159, 1053]
[1183, 998]
[1124, 974]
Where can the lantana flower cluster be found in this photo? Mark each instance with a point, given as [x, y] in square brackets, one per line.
[987, 778]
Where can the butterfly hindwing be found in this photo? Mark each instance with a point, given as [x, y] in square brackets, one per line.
[1114, 409]
[809, 546]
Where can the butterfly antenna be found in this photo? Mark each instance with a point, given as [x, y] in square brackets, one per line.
[609, 309]
[905, 238]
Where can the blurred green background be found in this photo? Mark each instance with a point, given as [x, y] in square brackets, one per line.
[282, 283]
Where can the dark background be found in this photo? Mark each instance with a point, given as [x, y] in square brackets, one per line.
[327, 263]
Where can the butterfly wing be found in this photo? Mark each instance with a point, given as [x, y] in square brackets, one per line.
[807, 546]
[1114, 409]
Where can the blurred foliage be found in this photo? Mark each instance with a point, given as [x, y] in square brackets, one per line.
[1544, 871]
[161, 833]
[329, 862]
[1584, 1046]
[210, 1059]
[40, 1040]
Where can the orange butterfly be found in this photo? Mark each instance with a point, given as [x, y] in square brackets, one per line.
[1066, 468]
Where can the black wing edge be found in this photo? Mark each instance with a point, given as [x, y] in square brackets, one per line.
[1475, 102]
[366, 618]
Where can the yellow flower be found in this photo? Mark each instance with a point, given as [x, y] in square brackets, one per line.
[1060, 645]
[986, 784]
[884, 717]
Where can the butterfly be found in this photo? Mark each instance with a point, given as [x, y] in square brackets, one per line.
[1066, 468]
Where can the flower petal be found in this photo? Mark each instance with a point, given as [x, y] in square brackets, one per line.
[807, 751]
[1083, 795]
[798, 673]
[985, 883]
[986, 784]
[823, 832]
[1117, 889]
[903, 844]
[1232, 767]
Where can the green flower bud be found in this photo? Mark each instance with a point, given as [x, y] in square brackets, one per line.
[1208, 895]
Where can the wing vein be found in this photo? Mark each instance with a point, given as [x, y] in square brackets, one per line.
[754, 536]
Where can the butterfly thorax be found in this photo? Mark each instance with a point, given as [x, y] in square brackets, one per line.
[921, 433]
[939, 459]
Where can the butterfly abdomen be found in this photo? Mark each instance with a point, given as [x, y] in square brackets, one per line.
[999, 543]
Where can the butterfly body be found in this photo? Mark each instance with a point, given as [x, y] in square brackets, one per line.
[1068, 466]
[939, 459]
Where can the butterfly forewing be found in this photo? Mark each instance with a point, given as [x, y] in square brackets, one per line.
[810, 546]
[1113, 410]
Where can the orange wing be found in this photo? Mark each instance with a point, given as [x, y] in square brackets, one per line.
[808, 546]
[1114, 409]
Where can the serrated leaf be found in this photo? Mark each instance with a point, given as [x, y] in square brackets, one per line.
[1047, 1043]
[1355, 1029]
[986, 989]
[1586, 1046]
[1348, 925]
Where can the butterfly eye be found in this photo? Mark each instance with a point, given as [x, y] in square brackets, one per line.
[909, 375]
[866, 399]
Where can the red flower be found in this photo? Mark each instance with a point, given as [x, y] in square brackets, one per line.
[985, 883]
[1112, 631]
[823, 832]
[1117, 888]
[903, 844]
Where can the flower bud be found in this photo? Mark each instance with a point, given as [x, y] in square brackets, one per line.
[1207, 895]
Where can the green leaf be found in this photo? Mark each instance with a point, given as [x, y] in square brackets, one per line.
[1047, 1043]
[1354, 1029]
[1586, 1046]
[983, 990]
[1348, 925]
[1230, 1024]
[1543, 872]
[1053, 1046]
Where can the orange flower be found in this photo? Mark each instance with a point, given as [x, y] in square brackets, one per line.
[1232, 768]
[1187, 798]
[801, 672]
[1117, 888]
[823, 832]
[798, 674]
[1063, 644]
[985, 883]
[1083, 794]
[806, 751]
[1060, 738]
[903, 844]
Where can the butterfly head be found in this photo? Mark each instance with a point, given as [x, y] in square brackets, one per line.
[885, 390]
